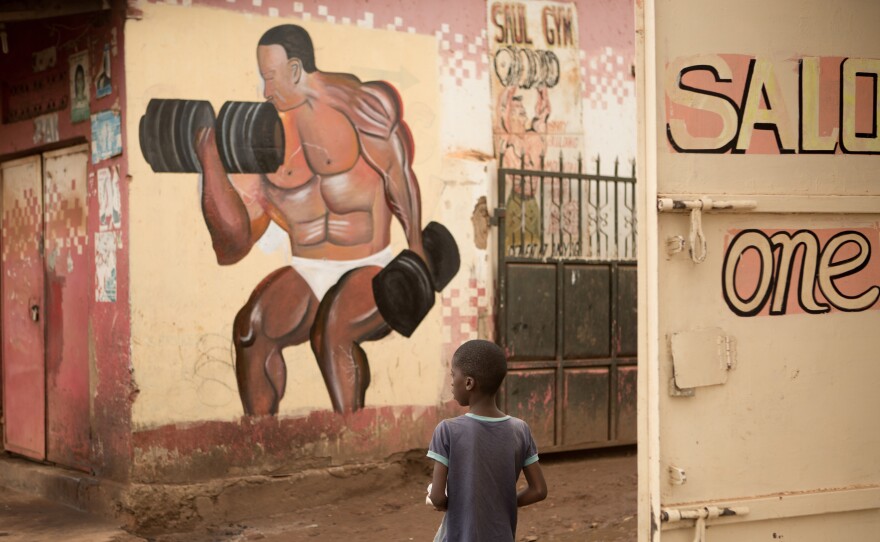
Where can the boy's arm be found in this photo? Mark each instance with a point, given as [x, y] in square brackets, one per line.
[438, 486]
[537, 488]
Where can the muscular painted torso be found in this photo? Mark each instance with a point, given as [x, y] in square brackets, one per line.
[326, 195]
[347, 172]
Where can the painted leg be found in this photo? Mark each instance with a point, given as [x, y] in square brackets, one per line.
[346, 317]
[278, 314]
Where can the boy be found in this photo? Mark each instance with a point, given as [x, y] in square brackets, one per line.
[478, 456]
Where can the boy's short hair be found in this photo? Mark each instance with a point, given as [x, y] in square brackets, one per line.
[483, 361]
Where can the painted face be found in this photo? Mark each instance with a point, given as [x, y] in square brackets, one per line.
[459, 386]
[518, 117]
[280, 77]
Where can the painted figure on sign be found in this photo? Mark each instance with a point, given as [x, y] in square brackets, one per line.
[347, 171]
[522, 145]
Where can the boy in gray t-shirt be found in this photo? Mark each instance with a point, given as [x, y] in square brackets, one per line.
[478, 456]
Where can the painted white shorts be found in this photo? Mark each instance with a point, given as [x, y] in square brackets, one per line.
[321, 275]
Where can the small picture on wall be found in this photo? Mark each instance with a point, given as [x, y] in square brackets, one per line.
[79, 90]
[103, 85]
[106, 135]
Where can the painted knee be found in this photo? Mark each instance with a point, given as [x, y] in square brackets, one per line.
[243, 328]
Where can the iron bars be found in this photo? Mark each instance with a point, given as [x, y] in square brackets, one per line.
[567, 215]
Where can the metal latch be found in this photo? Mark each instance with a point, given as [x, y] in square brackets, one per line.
[672, 515]
[697, 249]
[35, 313]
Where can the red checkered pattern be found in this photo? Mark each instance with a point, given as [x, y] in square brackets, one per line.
[65, 216]
[20, 218]
[606, 79]
[462, 51]
[461, 311]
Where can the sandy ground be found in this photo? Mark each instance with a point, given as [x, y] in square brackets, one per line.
[592, 497]
[25, 518]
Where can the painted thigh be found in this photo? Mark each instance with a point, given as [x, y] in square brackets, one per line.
[347, 316]
[279, 313]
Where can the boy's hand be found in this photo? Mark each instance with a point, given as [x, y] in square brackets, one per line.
[437, 489]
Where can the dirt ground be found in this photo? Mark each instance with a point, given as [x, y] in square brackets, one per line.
[592, 497]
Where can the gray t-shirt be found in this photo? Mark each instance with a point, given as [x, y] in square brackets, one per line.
[485, 457]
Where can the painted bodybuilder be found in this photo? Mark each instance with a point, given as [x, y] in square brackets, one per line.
[522, 145]
[347, 171]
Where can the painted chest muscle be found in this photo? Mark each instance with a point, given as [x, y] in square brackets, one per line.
[353, 190]
[316, 144]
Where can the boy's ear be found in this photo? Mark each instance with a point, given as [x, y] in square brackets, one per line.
[469, 383]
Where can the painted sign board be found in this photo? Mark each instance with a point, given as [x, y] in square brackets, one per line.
[759, 270]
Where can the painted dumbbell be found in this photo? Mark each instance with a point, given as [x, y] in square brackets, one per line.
[250, 136]
[527, 68]
[404, 289]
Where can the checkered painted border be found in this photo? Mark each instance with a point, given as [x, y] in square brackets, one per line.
[461, 310]
[605, 77]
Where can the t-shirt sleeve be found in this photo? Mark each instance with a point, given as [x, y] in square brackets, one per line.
[530, 449]
[438, 450]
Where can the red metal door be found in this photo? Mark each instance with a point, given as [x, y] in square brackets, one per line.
[68, 289]
[24, 378]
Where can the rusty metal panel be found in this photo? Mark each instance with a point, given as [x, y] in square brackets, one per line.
[587, 311]
[531, 396]
[531, 317]
[23, 307]
[627, 310]
[585, 405]
[68, 289]
[626, 403]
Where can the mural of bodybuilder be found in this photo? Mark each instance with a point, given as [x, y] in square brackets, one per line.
[328, 158]
[521, 141]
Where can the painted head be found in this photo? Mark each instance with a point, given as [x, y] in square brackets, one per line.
[79, 82]
[285, 55]
[515, 119]
[478, 367]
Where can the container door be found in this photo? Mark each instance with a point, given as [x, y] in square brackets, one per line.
[68, 289]
[759, 264]
[24, 399]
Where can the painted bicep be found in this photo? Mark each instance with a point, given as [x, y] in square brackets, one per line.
[250, 190]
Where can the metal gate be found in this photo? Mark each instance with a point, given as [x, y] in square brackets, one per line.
[566, 304]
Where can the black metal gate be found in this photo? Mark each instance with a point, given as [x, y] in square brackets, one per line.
[566, 304]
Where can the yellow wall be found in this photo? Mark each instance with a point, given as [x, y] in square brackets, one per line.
[183, 302]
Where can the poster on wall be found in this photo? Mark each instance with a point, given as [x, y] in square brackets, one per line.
[79, 89]
[536, 87]
[106, 136]
[105, 267]
[103, 84]
[109, 205]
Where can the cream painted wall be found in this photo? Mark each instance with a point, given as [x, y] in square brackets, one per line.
[183, 302]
